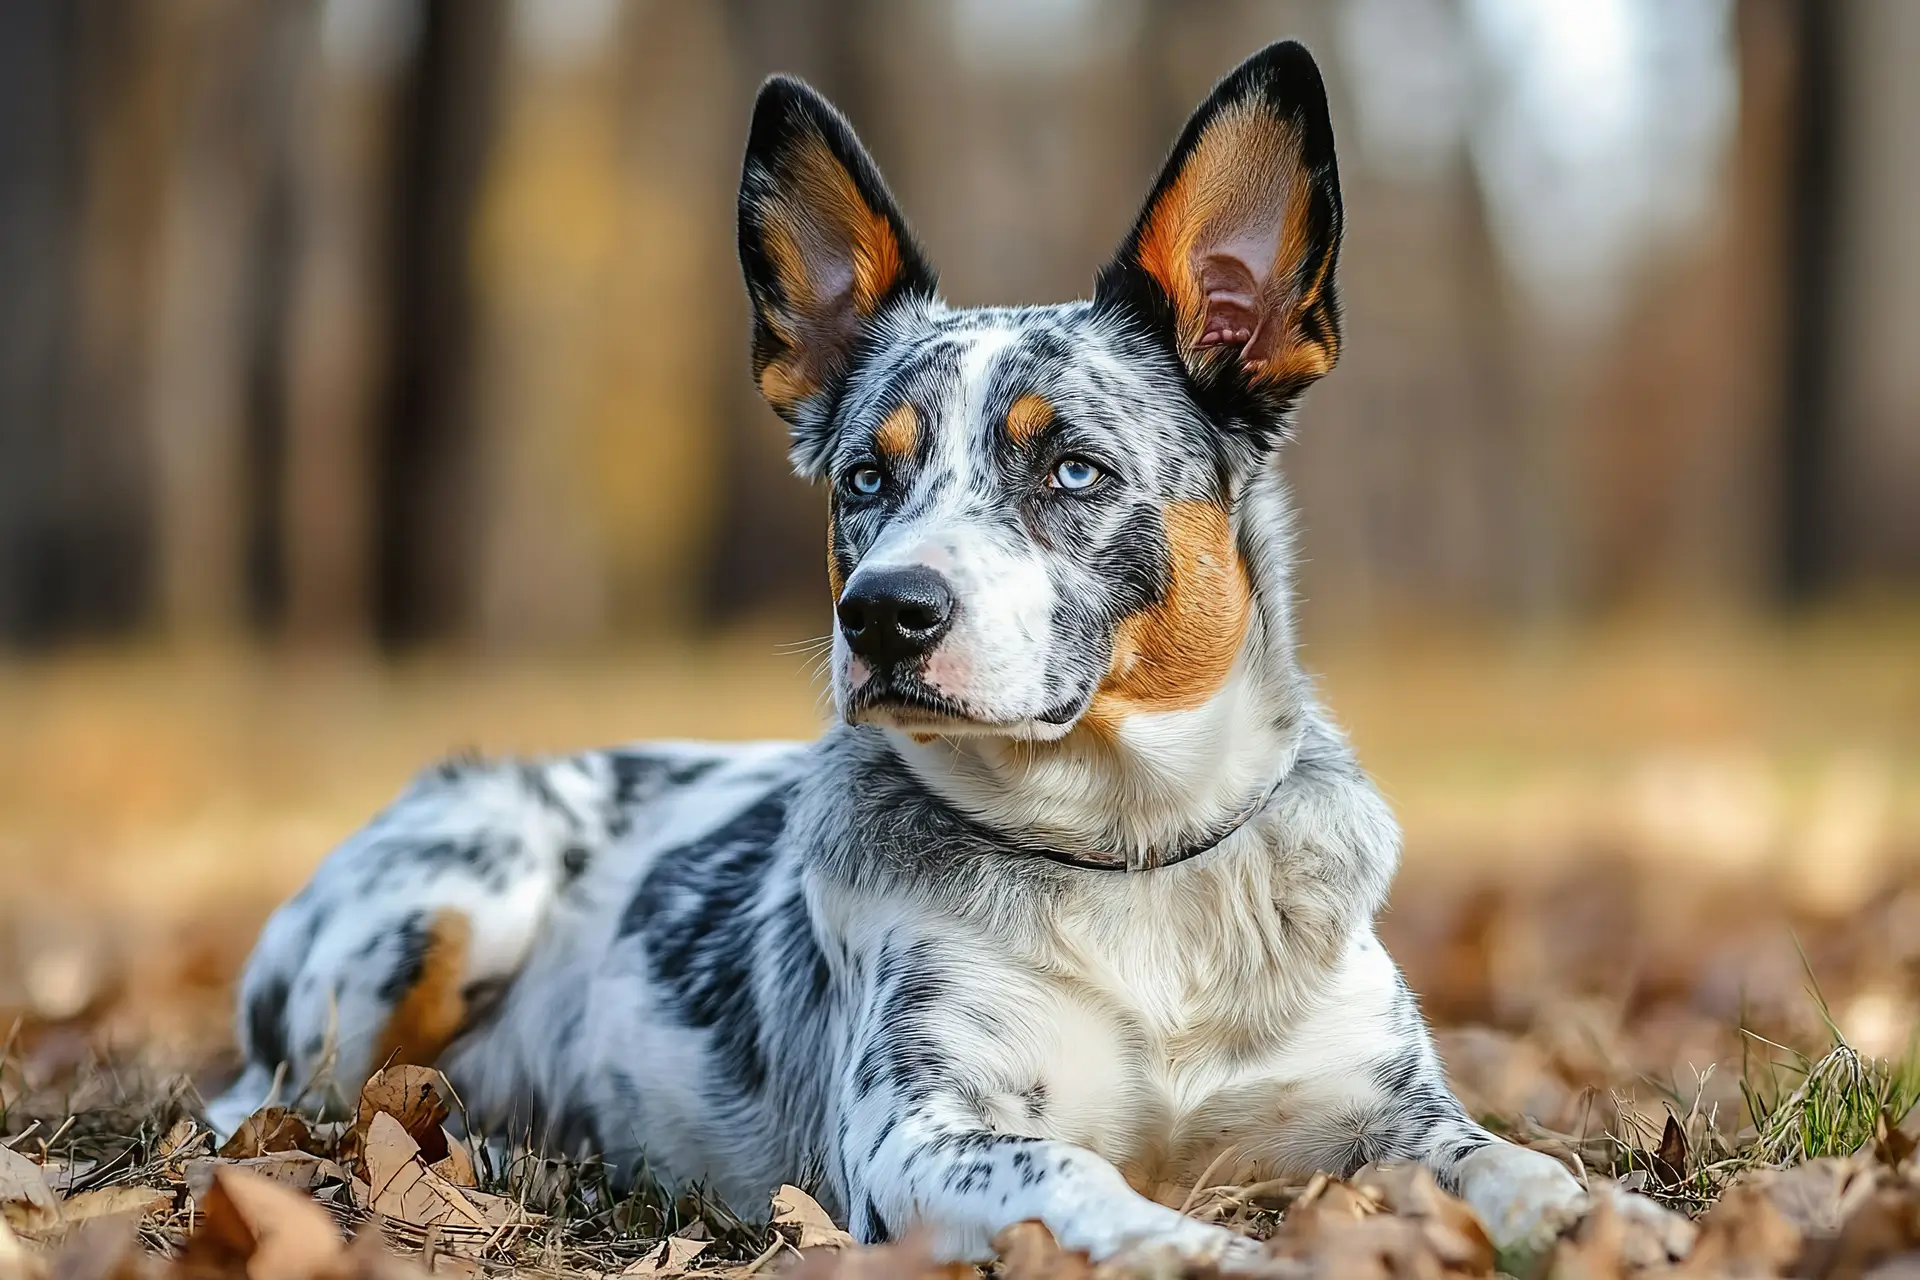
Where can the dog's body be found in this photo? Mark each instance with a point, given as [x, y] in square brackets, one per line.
[1081, 893]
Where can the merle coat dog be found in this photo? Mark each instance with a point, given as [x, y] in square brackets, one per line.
[1077, 893]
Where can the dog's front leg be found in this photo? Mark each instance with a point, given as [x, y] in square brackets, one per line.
[928, 1167]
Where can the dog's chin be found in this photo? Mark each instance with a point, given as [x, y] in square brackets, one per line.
[915, 708]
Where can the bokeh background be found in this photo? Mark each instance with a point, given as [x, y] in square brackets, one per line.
[373, 384]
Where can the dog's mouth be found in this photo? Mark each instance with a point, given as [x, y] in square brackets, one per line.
[904, 701]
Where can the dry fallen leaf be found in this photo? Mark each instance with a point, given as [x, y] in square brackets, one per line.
[266, 1131]
[106, 1249]
[268, 1231]
[26, 1202]
[1744, 1234]
[61, 1177]
[1028, 1251]
[401, 1186]
[179, 1140]
[1818, 1196]
[1344, 1231]
[909, 1259]
[1883, 1226]
[1452, 1229]
[108, 1201]
[806, 1220]
[1892, 1143]
[1593, 1250]
[1670, 1158]
[414, 1096]
[15, 1261]
[296, 1169]
[457, 1167]
[673, 1257]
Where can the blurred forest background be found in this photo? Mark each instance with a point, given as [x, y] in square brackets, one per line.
[373, 382]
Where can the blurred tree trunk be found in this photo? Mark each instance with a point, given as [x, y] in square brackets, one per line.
[206, 310]
[1874, 497]
[340, 166]
[548, 226]
[1807, 356]
[426, 505]
[36, 215]
[125, 92]
[1677, 447]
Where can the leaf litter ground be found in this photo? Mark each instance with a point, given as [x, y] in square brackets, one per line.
[1710, 1071]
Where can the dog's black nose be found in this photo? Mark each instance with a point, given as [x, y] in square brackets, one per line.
[892, 616]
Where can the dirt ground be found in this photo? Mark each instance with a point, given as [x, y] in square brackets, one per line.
[1652, 871]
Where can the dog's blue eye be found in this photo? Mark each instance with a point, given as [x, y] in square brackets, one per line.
[1074, 473]
[865, 481]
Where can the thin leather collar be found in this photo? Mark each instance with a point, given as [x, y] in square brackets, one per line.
[1154, 861]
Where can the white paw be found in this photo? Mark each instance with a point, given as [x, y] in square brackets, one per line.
[1150, 1228]
[1525, 1199]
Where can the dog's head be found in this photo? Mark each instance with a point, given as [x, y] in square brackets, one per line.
[1033, 519]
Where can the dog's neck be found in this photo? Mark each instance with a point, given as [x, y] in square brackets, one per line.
[1150, 787]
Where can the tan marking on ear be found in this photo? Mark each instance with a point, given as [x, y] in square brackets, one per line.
[899, 433]
[818, 225]
[924, 738]
[1029, 414]
[434, 1009]
[1176, 655]
[835, 583]
[1243, 179]
[785, 383]
[826, 245]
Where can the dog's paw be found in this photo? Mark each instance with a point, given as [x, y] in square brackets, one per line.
[1149, 1229]
[1525, 1199]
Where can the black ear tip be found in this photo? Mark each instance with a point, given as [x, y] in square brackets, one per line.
[1286, 73]
[784, 105]
[1286, 76]
[781, 89]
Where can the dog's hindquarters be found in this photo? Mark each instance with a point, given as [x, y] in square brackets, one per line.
[411, 931]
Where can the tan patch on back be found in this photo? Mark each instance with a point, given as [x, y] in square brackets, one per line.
[1176, 655]
[1244, 173]
[899, 433]
[433, 1011]
[1029, 415]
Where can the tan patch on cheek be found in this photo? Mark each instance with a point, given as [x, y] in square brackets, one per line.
[898, 433]
[432, 1012]
[1028, 416]
[1176, 655]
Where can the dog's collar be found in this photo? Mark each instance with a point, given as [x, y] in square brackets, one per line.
[1153, 860]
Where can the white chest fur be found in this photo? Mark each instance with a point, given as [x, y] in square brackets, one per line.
[1159, 1022]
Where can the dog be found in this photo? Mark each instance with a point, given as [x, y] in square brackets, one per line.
[1078, 892]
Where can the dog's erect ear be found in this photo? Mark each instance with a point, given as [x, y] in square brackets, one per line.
[822, 245]
[1233, 255]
